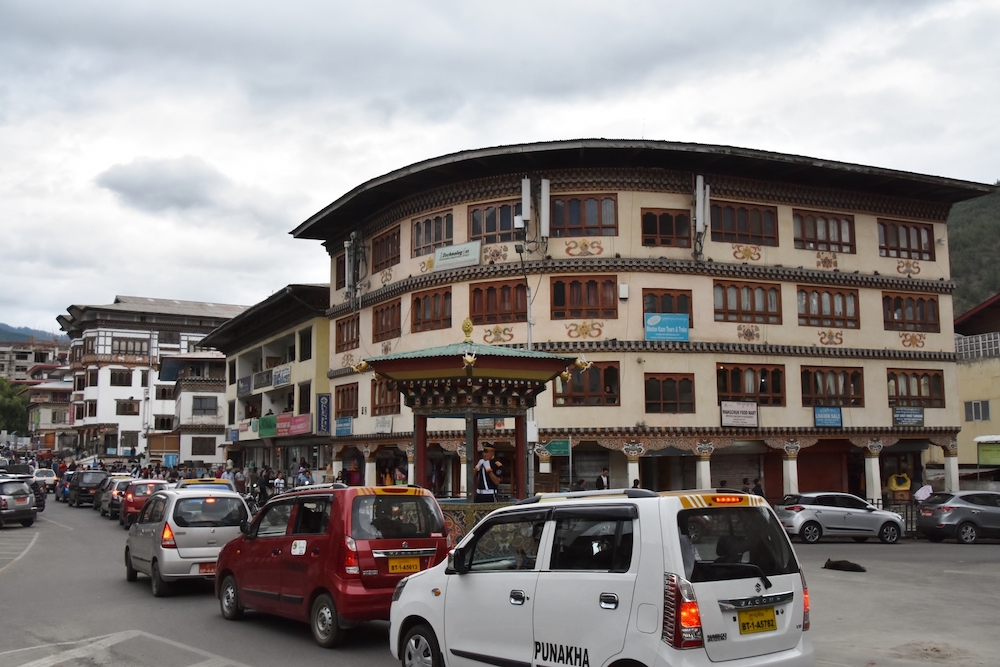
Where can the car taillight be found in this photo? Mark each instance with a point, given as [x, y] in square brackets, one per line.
[795, 508]
[129, 497]
[681, 617]
[351, 566]
[167, 539]
[945, 508]
[805, 601]
[3, 503]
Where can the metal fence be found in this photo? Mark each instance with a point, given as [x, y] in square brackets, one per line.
[906, 509]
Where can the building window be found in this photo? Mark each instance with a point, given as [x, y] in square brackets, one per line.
[431, 310]
[348, 336]
[79, 382]
[918, 389]
[20, 356]
[232, 412]
[589, 215]
[346, 401]
[833, 386]
[79, 411]
[169, 338]
[164, 392]
[89, 345]
[745, 223]
[129, 439]
[764, 385]
[91, 408]
[163, 423]
[677, 301]
[203, 447]
[587, 296]
[666, 227]
[205, 405]
[598, 385]
[385, 398]
[305, 398]
[92, 378]
[59, 416]
[340, 280]
[498, 302]
[747, 302]
[432, 232]
[493, 222]
[232, 371]
[127, 408]
[823, 231]
[905, 240]
[386, 321]
[975, 411]
[826, 307]
[121, 378]
[385, 250]
[133, 346]
[669, 393]
[306, 344]
[903, 312]
[144, 378]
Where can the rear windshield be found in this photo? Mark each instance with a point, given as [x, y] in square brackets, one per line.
[791, 500]
[14, 488]
[938, 498]
[720, 543]
[45, 472]
[142, 490]
[395, 517]
[92, 477]
[209, 512]
[208, 485]
[122, 485]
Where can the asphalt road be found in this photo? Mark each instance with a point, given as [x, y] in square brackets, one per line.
[65, 601]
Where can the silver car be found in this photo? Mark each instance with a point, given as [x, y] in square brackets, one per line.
[17, 502]
[963, 515]
[179, 534]
[815, 515]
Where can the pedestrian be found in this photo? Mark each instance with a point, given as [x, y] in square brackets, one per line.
[757, 490]
[489, 473]
[746, 485]
[581, 485]
[635, 484]
[723, 484]
[279, 483]
[240, 480]
[604, 481]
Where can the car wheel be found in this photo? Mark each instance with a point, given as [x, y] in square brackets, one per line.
[323, 622]
[860, 538]
[159, 587]
[810, 533]
[103, 513]
[130, 572]
[888, 533]
[229, 599]
[967, 533]
[420, 648]
[27, 522]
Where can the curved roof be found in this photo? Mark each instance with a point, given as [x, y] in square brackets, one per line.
[390, 188]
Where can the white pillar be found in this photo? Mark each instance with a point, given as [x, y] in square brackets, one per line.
[410, 473]
[371, 473]
[464, 477]
[951, 471]
[703, 472]
[633, 471]
[873, 478]
[338, 467]
[790, 474]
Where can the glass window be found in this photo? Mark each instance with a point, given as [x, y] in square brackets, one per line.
[592, 543]
[395, 517]
[209, 512]
[723, 543]
[312, 517]
[274, 521]
[507, 545]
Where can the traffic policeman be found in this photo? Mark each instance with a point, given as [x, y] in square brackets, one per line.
[489, 473]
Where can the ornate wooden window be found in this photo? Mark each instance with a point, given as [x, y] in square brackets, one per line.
[498, 302]
[745, 223]
[669, 393]
[433, 231]
[431, 310]
[348, 332]
[169, 338]
[305, 344]
[163, 422]
[79, 411]
[493, 222]
[91, 408]
[385, 250]
[164, 392]
[121, 377]
[828, 307]
[136, 346]
[346, 401]
[92, 378]
[764, 385]
[386, 321]
[128, 408]
[385, 398]
[79, 382]
[584, 215]
[905, 240]
[340, 272]
[575, 297]
[666, 227]
[747, 302]
[598, 385]
[831, 232]
[203, 447]
[667, 301]
[909, 312]
[915, 388]
[833, 386]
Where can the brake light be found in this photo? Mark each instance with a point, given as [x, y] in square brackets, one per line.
[351, 566]
[946, 508]
[129, 497]
[727, 500]
[3, 503]
[681, 616]
[795, 508]
[167, 539]
[805, 601]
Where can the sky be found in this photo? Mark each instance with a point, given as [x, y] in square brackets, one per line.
[167, 149]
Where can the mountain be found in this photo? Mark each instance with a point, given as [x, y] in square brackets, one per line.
[974, 246]
[9, 334]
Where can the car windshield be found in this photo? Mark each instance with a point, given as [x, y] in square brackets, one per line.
[208, 485]
[938, 498]
[209, 512]
[720, 543]
[395, 517]
[15, 488]
[122, 485]
[92, 477]
[45, 472]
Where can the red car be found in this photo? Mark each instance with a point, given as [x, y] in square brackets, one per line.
[324, 554]
[135, 497]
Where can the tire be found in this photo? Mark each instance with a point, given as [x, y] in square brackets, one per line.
[420, 648]
[810, 533]
[229, 599]
[103, 513]
[888, 533]
[860, 538]
[27, 523]
[130, 572]
[159, 587]
[323, 622]
[967, 533]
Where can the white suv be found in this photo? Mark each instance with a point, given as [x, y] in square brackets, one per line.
[611, 578]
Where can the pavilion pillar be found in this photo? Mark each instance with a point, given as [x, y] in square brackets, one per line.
[873, 477]
[371, 472]
[417, 473]
[469, 471]
[703, 471]
[790, 473]
[518, 482]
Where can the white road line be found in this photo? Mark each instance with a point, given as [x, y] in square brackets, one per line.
[35, 648]
[31, 544]
[100, 643]
[61, 525]
[212, 662]
[84, 651]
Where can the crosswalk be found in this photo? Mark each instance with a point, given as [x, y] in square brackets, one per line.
[134, 648]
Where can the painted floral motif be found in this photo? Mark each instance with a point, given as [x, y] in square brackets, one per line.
[831, 337]
[590, 329]
[386, 347]
[347, 360]
[498, 334]
[495, 253]
[746, 252]
[427, 265]
[584, 248]
[826, 260]
[748, 332]
[912, 339]
[908, 267]
[386, 276]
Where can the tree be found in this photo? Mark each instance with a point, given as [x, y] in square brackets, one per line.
[13, 408]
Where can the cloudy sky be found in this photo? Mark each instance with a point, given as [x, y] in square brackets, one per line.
[167, 148]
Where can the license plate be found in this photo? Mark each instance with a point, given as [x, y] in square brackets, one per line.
[20, 501]
[926, 512]
[404, 565]
[206, 568]
[757, 620]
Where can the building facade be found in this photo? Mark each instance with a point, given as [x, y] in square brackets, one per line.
[977, 345]
[48, 412]
[18, 359]
[199, 419]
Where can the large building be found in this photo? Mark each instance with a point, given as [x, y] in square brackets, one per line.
[18, 360]
[746, 314]
[48, 411]
[977, 344]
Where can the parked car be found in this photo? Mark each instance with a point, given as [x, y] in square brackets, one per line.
[37, 488]
[179, 533]
[17, 502]
[83, 486]
[134, 498]
[106, 486]
[812, 516]
[111, 499]
[964, 516]
[62, 486]
[46, 477]
[330, 557]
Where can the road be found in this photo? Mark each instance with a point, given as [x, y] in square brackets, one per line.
[65, 601]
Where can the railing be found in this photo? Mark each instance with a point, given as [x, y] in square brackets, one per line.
[909, 510]
[978, 346]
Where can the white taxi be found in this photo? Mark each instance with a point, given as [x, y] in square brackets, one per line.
[624, 577]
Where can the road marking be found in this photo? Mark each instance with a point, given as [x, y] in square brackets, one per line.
[35, 648]
[84, 651]
[31, 544]
[42, 518]
[97, 644]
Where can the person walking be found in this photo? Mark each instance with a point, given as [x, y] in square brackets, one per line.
[489, 473]
[604, 481]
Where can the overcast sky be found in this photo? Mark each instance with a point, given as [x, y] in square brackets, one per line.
[166, 149]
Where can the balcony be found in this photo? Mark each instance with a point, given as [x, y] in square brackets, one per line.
[980, 346]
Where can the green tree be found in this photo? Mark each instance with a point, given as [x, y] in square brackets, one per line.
[13, 408]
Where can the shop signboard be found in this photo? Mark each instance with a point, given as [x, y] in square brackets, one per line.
[234, 435]
[558, 447]
[827, 417]
[284, 425]
[170, 460]
[244, 386]
[267, 426]
[989, 453]
[457, 256]
[907, 416]
[345, 426]
[281, 375]
[739, 414]
[667, 326]
[323, 414]
[300, 424]
[383, 424]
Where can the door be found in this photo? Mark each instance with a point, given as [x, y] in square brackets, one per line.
[590, 575]
[830, 515]
[984, 511]
[144, 533]
[259, 573]
[857, 519]
[308, 548]
[488, 609]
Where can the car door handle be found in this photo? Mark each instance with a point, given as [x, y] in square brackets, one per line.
[517, 597]
[275, 552]
[609, 601]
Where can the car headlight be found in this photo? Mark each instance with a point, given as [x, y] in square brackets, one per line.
[898, 517]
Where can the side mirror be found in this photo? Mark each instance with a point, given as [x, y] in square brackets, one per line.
[871, 508]
[456, 562]
[245, 527]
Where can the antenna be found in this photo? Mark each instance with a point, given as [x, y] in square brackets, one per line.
[543, 214]
[526, 199]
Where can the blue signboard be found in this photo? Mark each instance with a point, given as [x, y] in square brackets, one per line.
[323, 414]
[667, 326]
[345, 426]
[234, 435]
[827, 417]
[170, 460]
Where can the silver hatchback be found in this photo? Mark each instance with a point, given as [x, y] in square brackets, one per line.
[815, 515]
[179, 534]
